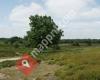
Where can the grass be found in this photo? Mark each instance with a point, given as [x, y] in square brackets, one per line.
[9, 51]
[76, 63]
[5, 64]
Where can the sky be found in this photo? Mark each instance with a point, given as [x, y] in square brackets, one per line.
[77, 18]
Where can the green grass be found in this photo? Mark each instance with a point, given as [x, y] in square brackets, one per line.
[10, 51]
[5, 64]
[77, 63]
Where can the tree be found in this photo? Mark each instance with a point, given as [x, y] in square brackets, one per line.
[16, 44]
[41, 26]
[89, 42]
[75, 43]
[15, 41]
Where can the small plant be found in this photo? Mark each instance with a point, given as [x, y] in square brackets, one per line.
[5, 64]
[75, 43]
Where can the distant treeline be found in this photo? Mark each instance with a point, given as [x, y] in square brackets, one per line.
[17, 41]
[14, 39]
[11, 40]
[80, 40]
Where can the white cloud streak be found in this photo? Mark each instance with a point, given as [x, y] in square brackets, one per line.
[82, 19]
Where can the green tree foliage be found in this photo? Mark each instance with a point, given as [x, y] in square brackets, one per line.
[75, 43]
[16, 41]
[89, 42]
[13, 39]
[41, 26]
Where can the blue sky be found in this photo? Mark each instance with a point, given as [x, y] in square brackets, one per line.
[6, 7]
[78, 18]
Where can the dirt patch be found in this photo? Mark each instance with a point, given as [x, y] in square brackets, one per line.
[43, 72]
[4, 76]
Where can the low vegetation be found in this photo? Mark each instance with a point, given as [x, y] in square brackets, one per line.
[77, 63]
[5, 64]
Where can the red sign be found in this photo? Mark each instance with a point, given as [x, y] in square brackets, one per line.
[26, 64]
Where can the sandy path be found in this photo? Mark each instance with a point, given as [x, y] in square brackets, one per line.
[5, 59]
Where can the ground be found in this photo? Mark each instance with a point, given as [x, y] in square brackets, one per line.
[68, 63]
[42, 72]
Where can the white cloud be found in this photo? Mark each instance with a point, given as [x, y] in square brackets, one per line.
[21, 13]
[83, 30]
[12, 30]
[19, 18]
[4, 31]
[67, 11]
[79, 18]
[94, 12]
[92, 15]
[60, 8]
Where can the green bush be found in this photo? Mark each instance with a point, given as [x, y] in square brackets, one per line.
[7, 53]
[7, 64]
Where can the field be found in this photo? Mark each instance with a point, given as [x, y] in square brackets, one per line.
[68, 63]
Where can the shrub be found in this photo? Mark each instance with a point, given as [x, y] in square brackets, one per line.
[75, 43]
[7, 64]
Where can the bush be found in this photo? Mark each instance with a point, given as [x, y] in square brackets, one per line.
[7, 53]
[7, 64]
[75, 43]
